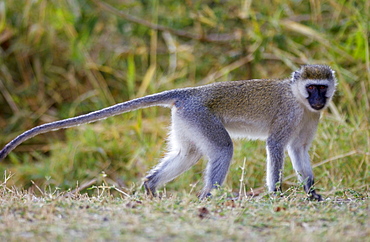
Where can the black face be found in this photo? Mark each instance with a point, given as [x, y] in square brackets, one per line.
[316, 96]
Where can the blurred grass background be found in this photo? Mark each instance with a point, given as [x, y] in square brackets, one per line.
[64, 58]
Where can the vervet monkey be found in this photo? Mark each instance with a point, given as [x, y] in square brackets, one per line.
[284, 112]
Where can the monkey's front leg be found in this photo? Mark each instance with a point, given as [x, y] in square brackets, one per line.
[301, 163]
[275, 163]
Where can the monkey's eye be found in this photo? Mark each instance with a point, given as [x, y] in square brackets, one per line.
[311, 87]
[322, 87]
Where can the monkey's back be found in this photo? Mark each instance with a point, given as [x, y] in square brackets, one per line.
[250, 97]
[247, 108]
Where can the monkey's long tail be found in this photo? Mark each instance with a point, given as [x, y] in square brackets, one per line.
[166, 98]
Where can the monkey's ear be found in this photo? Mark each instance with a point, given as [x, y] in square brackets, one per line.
[296, 75]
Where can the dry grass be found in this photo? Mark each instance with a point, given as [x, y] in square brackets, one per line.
[181, 217]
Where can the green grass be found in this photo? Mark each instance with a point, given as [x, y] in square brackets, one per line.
[64, 58]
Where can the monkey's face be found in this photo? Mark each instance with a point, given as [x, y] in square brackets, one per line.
[317, 96]
[314, 86]
[314, 95]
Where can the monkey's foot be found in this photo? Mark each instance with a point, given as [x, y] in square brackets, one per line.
[149, 190]
[204, 195]
[314, 196]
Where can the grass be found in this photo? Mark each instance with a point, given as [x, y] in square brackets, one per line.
[181, 217]
[64, 58]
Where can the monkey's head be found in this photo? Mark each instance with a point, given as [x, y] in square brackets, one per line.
[314, 86]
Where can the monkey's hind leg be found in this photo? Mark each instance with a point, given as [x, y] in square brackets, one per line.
[182, 156]
[217, 168]
[215, 143]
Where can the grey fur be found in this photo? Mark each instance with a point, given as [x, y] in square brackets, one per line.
[205, 118]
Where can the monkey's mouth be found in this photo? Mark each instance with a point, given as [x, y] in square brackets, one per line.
[317, 106]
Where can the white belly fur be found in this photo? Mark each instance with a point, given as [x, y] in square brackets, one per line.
[251, 131]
